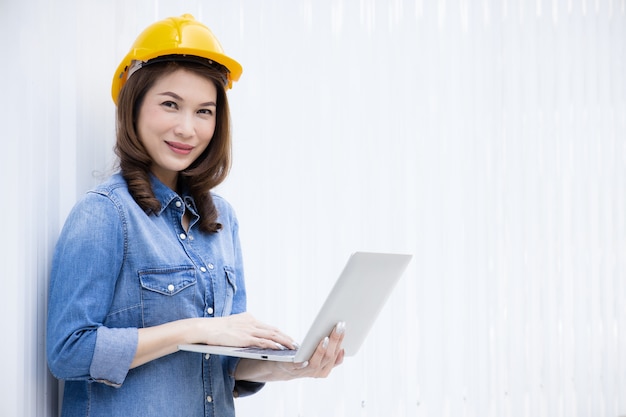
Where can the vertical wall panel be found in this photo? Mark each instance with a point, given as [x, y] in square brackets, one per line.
[487, 138]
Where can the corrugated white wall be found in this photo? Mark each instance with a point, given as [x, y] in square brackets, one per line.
[487, 138]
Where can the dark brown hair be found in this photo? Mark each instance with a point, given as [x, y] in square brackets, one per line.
[205, 173]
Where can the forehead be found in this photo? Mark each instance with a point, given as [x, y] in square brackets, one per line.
[186, 84]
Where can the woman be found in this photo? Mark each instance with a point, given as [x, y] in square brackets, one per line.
[151, 258]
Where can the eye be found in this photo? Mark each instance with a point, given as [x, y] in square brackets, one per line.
[207, 112]
[169, 104]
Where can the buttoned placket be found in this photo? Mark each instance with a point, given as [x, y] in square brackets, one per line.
[208, 312]
[205, 272]
[179, 214]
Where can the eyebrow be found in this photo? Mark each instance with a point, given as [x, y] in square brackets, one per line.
[179, 98]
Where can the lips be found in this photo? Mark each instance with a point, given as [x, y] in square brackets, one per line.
[179, 148]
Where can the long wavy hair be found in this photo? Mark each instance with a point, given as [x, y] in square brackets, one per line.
[206, 172]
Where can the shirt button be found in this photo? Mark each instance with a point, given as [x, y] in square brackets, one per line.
[210, 266]
[190, 237]
[178, 204]
[182, 236]
[202, 269]
[170, 287]
[207, 356]
[209, 310]
[209, 399]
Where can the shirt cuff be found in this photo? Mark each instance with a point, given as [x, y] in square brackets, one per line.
[242, 388]
[245, 388]
[113, 354]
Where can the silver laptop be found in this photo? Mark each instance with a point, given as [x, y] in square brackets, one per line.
[357, 297]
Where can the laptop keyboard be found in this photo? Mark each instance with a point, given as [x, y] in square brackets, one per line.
[275, 352]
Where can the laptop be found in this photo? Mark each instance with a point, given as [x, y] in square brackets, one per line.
[357, 298]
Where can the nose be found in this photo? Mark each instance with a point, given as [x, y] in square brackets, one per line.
[184, 126]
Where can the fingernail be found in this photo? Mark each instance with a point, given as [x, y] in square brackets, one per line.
[279, 346]
[325, 343]
[341, 327]
[304, 364]
[296, 345]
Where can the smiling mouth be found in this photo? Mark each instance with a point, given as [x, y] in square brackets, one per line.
[179, 148]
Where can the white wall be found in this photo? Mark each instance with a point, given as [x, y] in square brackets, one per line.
[487, 138]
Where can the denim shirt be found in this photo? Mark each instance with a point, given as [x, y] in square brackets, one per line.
[116, 269]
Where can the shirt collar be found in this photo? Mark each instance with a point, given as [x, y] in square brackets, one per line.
[164, 194]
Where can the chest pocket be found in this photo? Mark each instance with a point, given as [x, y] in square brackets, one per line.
[167, 294]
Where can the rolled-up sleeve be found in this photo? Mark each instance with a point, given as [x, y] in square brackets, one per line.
[113, 355]
[241, 388]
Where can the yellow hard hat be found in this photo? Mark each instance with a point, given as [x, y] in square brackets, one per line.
[182, 35]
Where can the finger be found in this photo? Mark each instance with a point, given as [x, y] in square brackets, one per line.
[270, 337]
[280, 339]
[340, 357]
[263, 343]
[339, 332]
[334, 353]
[333, 346]
[325, 361]
[315, 361]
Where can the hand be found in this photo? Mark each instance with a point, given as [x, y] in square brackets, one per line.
[242, 330]
[327, 355]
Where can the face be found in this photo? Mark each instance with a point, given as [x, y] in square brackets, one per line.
[176, 122]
